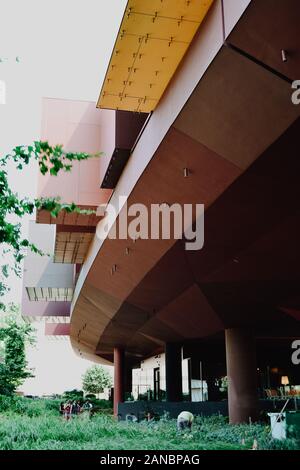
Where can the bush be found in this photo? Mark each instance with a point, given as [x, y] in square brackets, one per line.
[6, 403]
[52, 405]
[74, 395]
[100, 403]
[27, 406]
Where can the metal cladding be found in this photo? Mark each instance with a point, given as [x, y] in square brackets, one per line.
[224, 135]
[153, 38]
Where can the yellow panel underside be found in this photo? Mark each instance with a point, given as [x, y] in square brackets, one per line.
[152, 40]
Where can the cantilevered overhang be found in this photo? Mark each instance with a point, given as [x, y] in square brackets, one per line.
[43, 279]
[153, 38]
[71, 219]
[127, 129]
[238, 110]
[72, 243]
[50, 294]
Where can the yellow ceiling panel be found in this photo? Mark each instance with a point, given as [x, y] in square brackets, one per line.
[163, 28]
[154, 36]
[193, 10]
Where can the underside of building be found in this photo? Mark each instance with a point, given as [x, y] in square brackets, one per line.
[210, 121]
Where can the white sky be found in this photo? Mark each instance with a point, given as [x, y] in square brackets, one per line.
[63, 47]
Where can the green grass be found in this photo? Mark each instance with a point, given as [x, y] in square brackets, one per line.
[36, 425]
[101, 433]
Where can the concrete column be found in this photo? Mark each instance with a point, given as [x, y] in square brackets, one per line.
[173, 372]
[119, 378]
[241, 372]
[128, 378]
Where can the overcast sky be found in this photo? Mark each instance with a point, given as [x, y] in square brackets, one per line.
[58, 49]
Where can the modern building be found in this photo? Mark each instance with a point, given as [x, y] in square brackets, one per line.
[196, 108]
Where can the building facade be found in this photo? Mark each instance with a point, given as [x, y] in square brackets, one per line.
[195, 108]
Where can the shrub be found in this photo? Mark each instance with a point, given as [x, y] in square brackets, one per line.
[75, 394]
[27, 406]
[97, 403]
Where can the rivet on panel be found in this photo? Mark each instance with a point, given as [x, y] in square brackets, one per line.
[155, 16]
[180, 21]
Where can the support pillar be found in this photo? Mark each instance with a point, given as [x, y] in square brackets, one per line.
[173, 372]
[128, 378]
[119, 378]
[241, 372]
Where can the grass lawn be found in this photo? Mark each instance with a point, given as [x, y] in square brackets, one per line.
[104, 433]
[38, 426]
[98, 433]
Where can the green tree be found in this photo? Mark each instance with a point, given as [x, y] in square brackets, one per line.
[52, 159]
[14, 334]
[95, 380]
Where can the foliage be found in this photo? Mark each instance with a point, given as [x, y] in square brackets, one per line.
[96, 379]
[15, 405]
[100, 403]
[13, 367]
[73, 395]
[41, 428]
[51, 159]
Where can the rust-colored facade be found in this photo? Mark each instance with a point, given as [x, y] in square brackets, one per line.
[228, 118]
